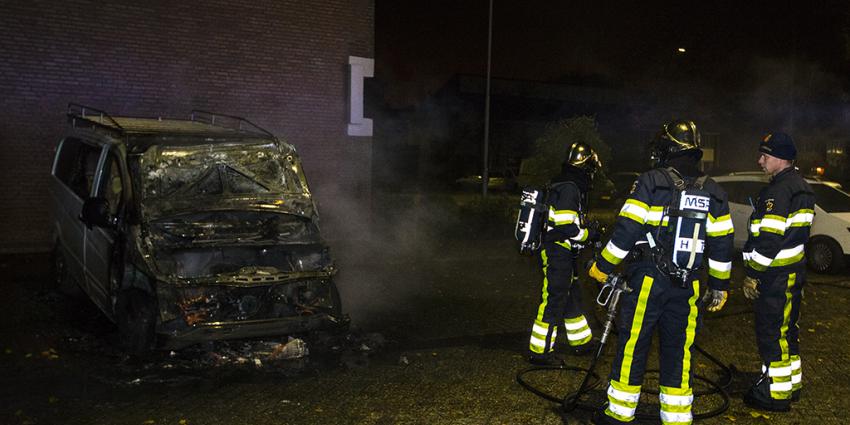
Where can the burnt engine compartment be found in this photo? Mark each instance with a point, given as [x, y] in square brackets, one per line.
[222, 303]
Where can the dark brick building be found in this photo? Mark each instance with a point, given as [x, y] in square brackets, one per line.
[282, 64]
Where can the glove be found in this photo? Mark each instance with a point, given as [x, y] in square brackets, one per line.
[714, 299]
[597, 274]
[593, 235]
[750, 288]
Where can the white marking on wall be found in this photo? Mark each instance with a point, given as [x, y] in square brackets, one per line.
[361, 68]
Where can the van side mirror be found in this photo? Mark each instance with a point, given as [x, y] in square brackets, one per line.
[95, 212]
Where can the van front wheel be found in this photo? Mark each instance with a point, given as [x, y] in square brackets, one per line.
[135, 315]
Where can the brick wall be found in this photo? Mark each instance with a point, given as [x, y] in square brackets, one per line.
[281, 64]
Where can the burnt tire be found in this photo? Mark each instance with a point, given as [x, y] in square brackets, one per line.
[824, 255]
[135, 316]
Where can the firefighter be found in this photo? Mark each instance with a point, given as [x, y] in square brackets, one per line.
[673, 216]
[566, 232]
[775, 268]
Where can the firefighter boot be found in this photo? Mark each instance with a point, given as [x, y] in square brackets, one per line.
[548, 359]
[758, 397]
[600, 418]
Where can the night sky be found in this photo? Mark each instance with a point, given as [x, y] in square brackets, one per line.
[419, 45]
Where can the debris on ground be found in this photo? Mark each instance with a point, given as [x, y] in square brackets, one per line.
[295, 348]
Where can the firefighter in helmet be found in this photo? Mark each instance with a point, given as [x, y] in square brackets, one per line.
[774, 261]
[674, 218]
[566, 232]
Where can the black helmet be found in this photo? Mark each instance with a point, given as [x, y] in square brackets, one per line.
[676, 137]
[583, 157]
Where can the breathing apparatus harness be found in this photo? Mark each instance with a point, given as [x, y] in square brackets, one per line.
[685, 232]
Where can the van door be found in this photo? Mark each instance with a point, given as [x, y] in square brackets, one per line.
[73, 181]
[104, 257]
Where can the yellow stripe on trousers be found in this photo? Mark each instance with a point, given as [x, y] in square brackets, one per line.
[786, 319]
[545, 300]
[690, 333]
[637, 324]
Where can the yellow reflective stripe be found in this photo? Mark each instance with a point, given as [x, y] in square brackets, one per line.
[720, 226]
[565, 243]
[690, 333]
[800, 218]
[545, 297]
[637, 324]
[786, 319]
[613, 254]
[773, 223]
[562, 217]
[655, 215]
[635, 210]
[719, 269]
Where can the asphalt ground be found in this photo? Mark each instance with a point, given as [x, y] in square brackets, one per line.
[439, 333]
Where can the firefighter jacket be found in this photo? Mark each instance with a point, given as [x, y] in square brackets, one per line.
[645, 211]
[567, 201]
[780, 224]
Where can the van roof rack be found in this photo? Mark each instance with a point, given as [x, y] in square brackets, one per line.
[92, 115]
[199, 120]
[229, 121]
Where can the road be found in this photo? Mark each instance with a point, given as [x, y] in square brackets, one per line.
[438, 335]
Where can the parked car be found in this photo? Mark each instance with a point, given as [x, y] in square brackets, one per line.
[191, 229]
[829, 242]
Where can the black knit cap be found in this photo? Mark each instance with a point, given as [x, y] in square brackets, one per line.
[779, 145]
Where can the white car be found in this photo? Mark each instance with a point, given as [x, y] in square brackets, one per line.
[829, 241]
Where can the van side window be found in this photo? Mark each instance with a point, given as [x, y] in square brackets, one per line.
[76, 165]
[113, 185]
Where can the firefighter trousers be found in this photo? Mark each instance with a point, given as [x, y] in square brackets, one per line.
[560, 301]
[777, 310]
[654, 303]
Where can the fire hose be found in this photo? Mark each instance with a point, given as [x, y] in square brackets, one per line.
[609, 297]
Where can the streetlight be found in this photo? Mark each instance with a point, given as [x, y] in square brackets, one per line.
[485, 175]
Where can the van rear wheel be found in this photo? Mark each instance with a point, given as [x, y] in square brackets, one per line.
[824, 255]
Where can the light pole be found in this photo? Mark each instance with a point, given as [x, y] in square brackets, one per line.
[485, 175]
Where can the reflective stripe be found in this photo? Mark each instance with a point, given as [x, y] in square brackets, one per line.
[540, 330]
[655, 215]
[676, 400]
[622, 413]
[581, 236]
[721, 226]
[635, 210]
[773, 223]
[537, 342]
[800, 218]
[545, 297]
[690, 334]
[796, 363]
[676, 418]
[780, 387]
[790, 252]
[779, 371]
[797, 378]
[760, 259]
[575, 324]
[579, 336]
[623, 395]
[561, 217]
[613, 254]
[720, 269]
[637, 324]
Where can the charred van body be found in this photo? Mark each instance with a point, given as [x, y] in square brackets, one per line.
[192, 229]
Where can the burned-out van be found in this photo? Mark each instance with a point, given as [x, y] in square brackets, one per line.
[189, 229]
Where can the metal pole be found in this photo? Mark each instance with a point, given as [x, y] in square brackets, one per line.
[485, 175]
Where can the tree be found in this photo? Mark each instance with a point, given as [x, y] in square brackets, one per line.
[551, 148]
